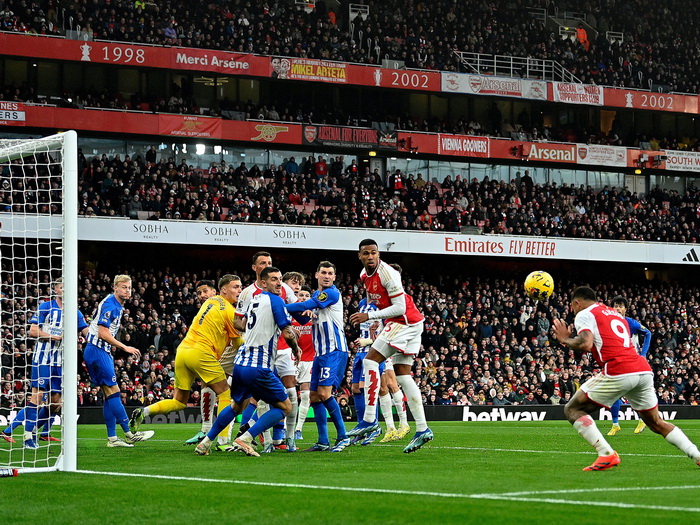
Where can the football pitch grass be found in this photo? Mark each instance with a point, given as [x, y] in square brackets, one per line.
[471, 473]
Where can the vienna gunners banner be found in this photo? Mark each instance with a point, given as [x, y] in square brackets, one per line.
[344, 137]
[578, 93]
[462, 145]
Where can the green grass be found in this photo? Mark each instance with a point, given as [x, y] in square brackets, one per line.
[461, 477]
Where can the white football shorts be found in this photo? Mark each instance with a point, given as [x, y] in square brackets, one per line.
[304, 371]
[284, 364]
[637, 388]
[402, 341]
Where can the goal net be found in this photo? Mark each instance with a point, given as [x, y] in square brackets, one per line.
[38, 302]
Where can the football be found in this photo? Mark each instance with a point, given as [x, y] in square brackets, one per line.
[539, 285]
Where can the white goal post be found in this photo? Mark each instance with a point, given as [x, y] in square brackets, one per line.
[39, 244]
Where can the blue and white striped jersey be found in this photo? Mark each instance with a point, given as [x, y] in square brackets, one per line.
[328, 330]
[267, 317]
[109, 314]
[365, 328]
[49, 318]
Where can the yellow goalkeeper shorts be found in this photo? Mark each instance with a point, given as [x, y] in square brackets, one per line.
[191, 363]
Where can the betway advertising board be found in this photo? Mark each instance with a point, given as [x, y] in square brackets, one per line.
[342, 239]
[467, 414]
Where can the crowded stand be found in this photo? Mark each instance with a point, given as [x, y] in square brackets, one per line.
[524, 126]
[421, 34]
[318, 191]
[485, 342]
[297, 192]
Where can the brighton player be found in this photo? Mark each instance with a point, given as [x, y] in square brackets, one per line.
[101, 338]
[252, 374]
[46, 325]
[400, 339]
[304, 365]
[260, 261]
[328, 370]
[604, 332]
[199, 354]
[368, 333]
[286, 370]
[636, 329]
[206, 289]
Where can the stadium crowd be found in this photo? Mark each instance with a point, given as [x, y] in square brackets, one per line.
[484, 343]
[328, 192]
[422, 34]
[524, 126]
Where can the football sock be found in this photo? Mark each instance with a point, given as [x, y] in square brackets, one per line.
[385, 404]
[224, 400]
[372, 375]
[17, 421]
[360, 404]
[292, 416]
[415, 402]
[336, 416]
[267, 421]
[321, 418]
[45, 420]
[397, 398]
[678, 439]
[587, 429]
[206, 407]
[303, 408]
[110, 421]
[615, 411]
[221, 422]
[30, 414]
[164, 406]
[247, 413]
[261, 411]
[118, 411]
[278, 433]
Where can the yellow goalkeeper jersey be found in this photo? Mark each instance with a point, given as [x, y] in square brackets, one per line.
[212, 328]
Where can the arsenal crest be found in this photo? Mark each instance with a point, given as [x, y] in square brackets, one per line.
[310, 133]
[475, 83]
[582, 152]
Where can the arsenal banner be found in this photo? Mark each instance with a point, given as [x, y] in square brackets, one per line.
[600, 155]
[484, 85]
[578, 93]
[189, 126]
[341, 137]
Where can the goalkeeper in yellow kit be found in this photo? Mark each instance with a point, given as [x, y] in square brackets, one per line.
[198, 355]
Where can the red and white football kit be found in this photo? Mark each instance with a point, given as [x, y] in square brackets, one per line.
[402, 333]
[624, 371]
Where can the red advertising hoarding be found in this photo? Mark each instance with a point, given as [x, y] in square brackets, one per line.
[630, 98]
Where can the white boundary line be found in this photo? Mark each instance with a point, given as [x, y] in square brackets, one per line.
[498, 497]
[475, 449]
